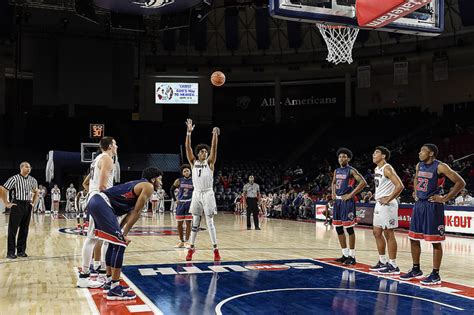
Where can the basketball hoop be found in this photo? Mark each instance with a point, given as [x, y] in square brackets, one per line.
[340, 41]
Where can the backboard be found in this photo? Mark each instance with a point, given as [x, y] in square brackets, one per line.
[427, 20]
[89, 152]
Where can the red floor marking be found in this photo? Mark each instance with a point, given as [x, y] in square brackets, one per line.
[115, 307]
[462, 289]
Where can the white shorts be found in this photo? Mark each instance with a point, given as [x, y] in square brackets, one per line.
[386, 216]
[204, 201]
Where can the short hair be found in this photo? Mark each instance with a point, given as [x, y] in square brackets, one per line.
[201, 146]
[184, 166]
[105, 143]
[151, 172]
[432, 147]
[23, 164]
[344, 151]
[384, 151]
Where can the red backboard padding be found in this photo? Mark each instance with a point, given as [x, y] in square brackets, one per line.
[378, 13]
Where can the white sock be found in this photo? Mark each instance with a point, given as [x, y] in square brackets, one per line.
[345, 252]
[96, 264]
[87, 251]
[383, 259]
[352, 253]
[393, 262]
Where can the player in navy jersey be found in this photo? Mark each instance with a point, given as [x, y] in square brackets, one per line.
[427, 220]
[122, 200]
[344, 213]
[183, 200]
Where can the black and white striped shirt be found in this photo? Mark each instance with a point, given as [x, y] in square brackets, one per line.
[23, 186]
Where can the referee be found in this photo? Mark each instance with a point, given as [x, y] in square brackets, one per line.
[251, 198]
[26, 195]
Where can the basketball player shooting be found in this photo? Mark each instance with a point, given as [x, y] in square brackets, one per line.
[203, 199]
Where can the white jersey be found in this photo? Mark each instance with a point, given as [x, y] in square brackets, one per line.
[95, 177]
[56, 194]
[71, 193]
[154, 196]
[42, 193]
[203, 176]
[383, 186]
[82, 200]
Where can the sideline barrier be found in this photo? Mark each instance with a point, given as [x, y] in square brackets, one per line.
[457, 219]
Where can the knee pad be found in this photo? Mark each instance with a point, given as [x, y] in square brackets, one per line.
[339, 230]
[350, 230]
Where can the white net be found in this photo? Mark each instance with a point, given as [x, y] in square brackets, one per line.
[340, 41]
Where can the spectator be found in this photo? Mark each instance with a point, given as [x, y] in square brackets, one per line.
[464, 199]
[368, 198]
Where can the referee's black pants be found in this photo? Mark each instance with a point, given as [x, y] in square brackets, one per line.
[19, 222]
[252, 209]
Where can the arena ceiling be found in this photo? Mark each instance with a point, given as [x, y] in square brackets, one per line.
[152, 39]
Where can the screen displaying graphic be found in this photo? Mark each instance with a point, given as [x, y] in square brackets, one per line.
[176, 93]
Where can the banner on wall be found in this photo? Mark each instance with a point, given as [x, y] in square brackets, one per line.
[400, 73]
[363, 77]
[293, 97]
[459, 221]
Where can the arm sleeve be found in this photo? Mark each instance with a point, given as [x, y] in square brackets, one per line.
[10, 183]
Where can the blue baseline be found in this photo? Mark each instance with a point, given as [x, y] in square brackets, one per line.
[301, 286]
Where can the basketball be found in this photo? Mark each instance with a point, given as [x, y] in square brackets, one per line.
[217, 78]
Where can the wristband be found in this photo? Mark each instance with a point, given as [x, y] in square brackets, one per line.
[188, 133]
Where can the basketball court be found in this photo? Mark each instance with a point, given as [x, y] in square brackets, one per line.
[288, 266]
[284, 268]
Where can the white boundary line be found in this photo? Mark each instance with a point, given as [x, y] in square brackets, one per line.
[87, 294]
[90, 301]
[397, 279]
[219, 306]
[144, 298]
